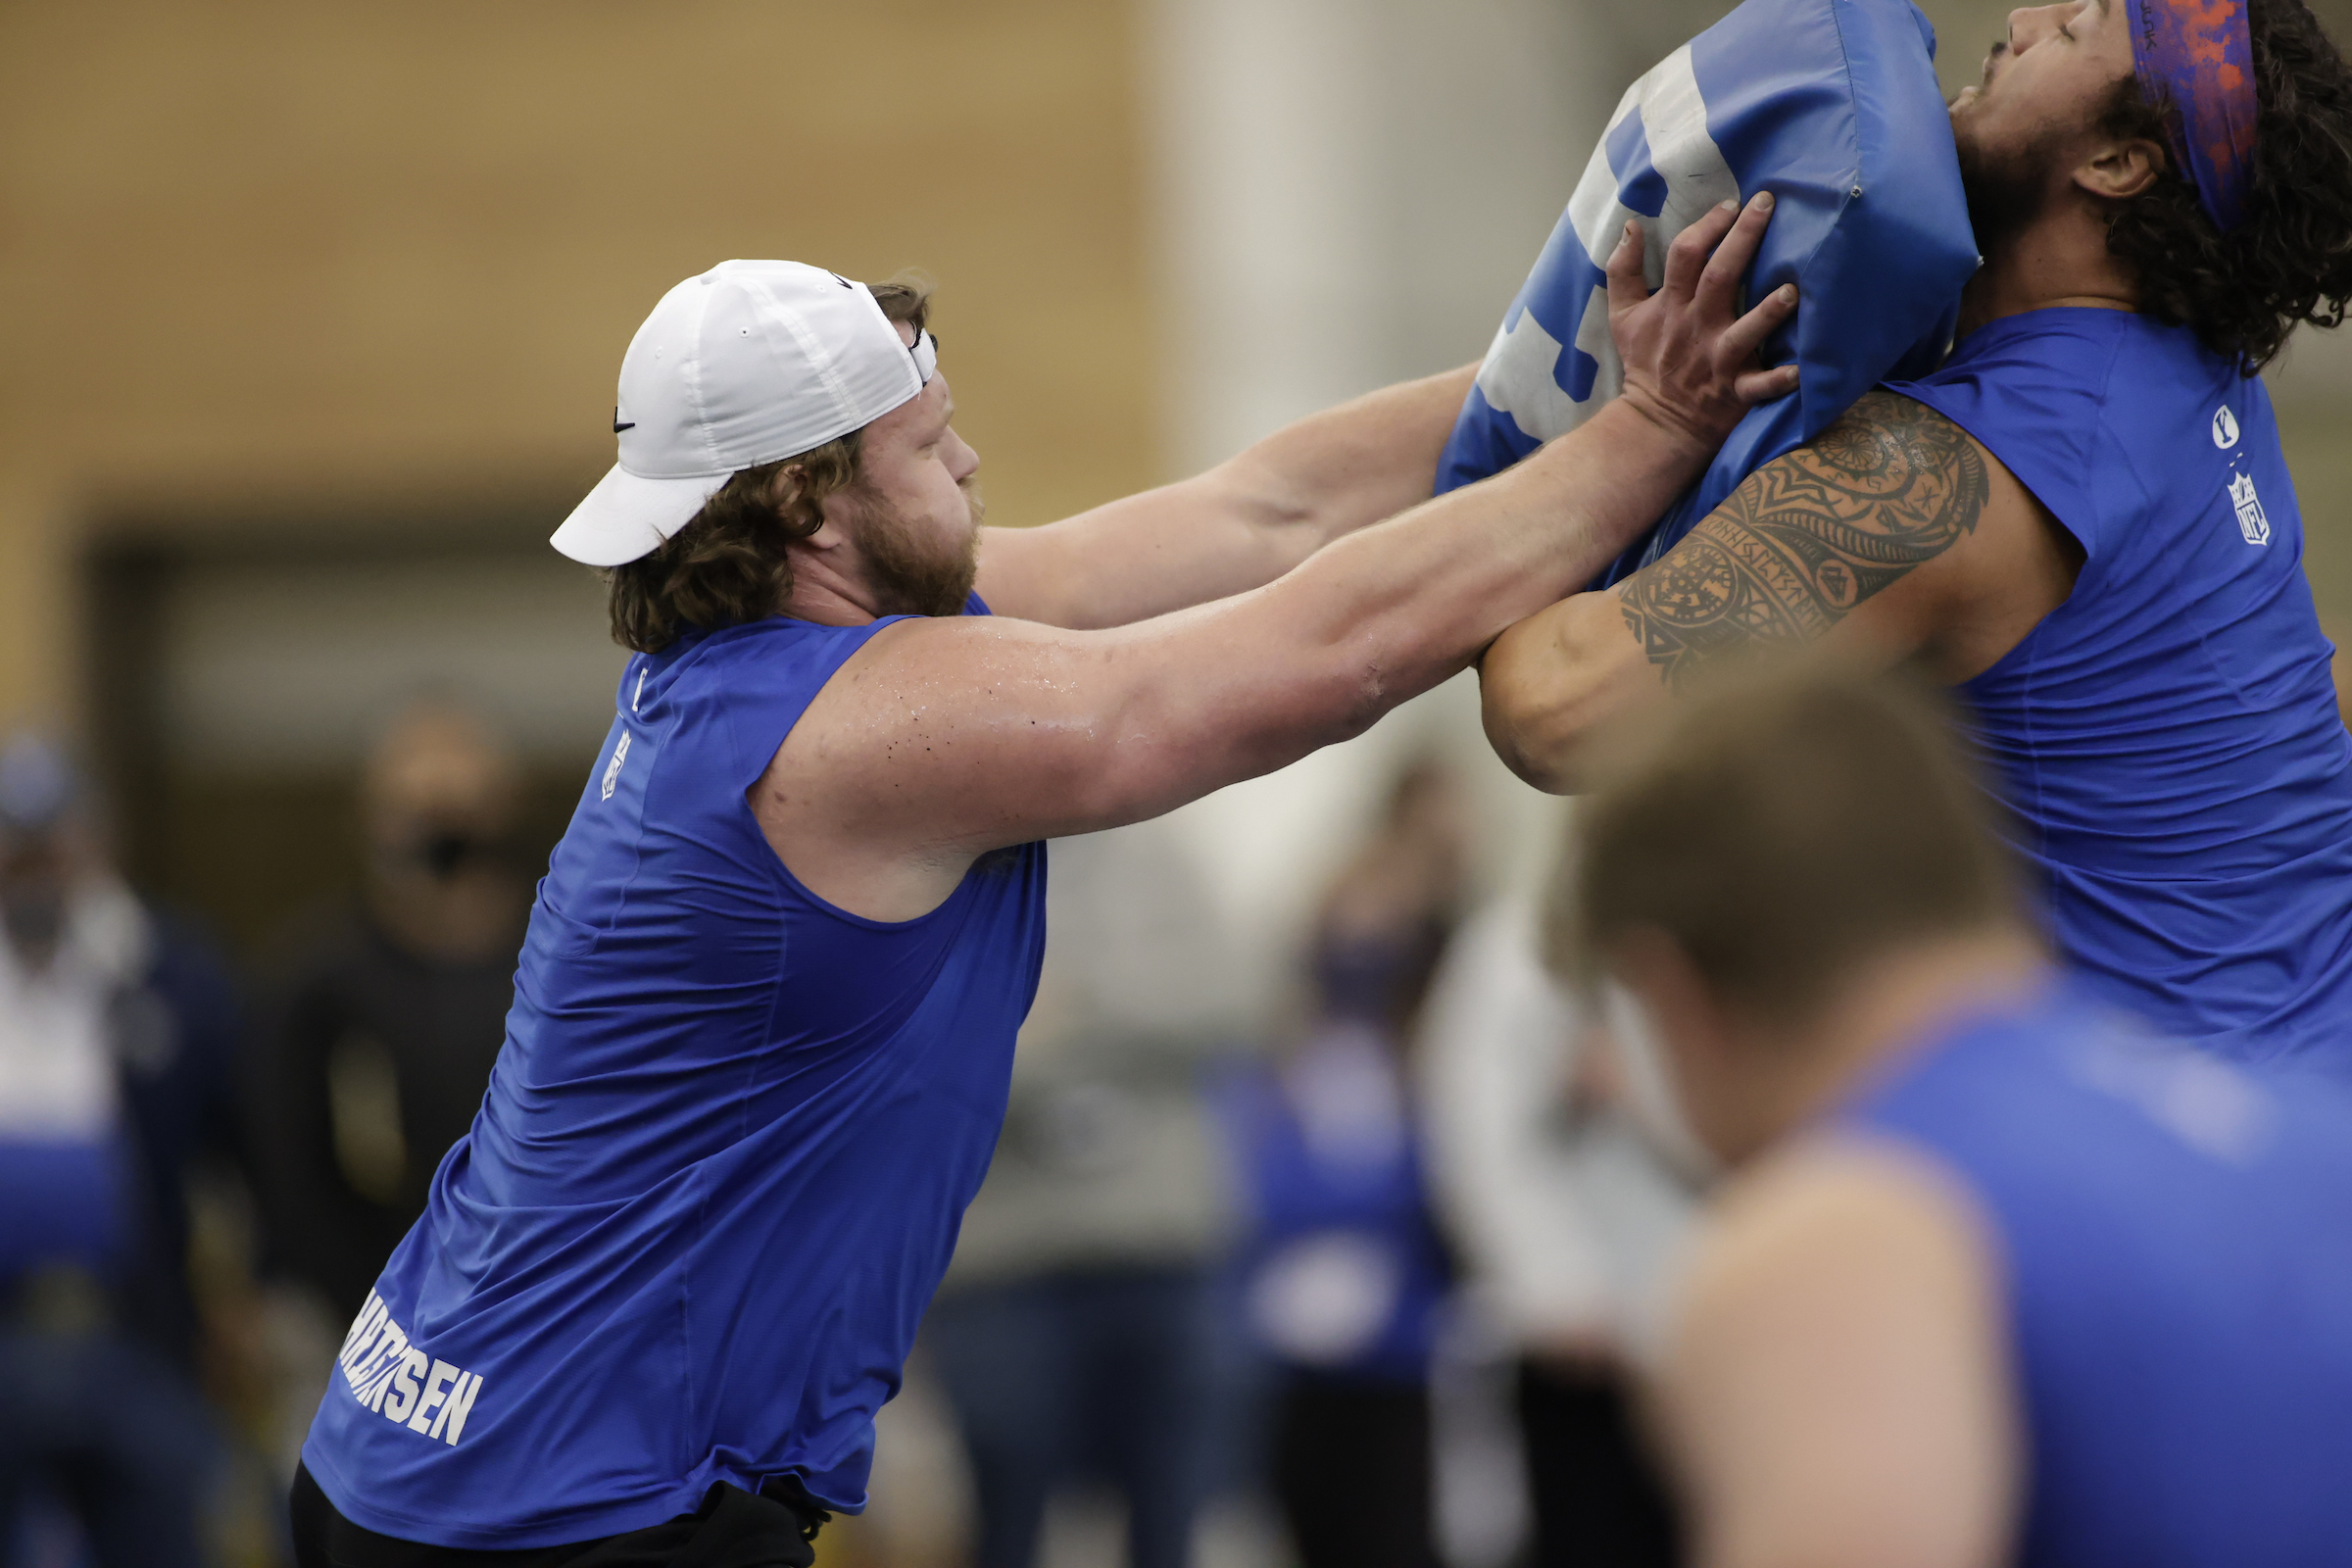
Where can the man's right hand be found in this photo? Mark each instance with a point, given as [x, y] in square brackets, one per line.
[1690, 358]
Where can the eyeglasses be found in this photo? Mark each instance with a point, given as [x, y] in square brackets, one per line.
[924, 349]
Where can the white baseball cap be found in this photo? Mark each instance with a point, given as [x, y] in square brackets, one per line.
[751, 363]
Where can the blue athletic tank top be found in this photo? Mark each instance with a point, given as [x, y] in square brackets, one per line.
[722, 1159]
[2175, 1237]
[2167, 740]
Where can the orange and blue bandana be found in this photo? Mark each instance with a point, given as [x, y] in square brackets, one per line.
[2198, 56]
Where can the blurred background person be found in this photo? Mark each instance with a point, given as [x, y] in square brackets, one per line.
[1344, 1273]
[1074, 1334]
[2005, 1276]
[118, 1038]
[1568, 1216]
[389, 1009]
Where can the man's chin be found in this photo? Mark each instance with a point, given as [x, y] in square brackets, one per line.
[960, 599]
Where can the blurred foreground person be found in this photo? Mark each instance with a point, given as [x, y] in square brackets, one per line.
[1345, 1271]
[2005, 1277]
[763, 1020]
[1074, 1333]
[375, 1056]
[1568, 1217]
[116, 1035]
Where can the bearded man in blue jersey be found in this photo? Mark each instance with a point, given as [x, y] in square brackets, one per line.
[2083, 522]
[763, 1020]
[2001, 1277]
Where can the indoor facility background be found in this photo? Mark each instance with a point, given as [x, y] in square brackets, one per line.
[311, 315]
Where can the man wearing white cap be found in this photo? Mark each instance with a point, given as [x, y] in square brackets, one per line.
[762, 1023]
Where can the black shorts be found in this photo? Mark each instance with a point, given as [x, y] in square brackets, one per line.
[732, 1529]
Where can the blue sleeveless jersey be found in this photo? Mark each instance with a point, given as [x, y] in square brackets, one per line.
[2167, 740]
[721, 1164]
[2176, 1238]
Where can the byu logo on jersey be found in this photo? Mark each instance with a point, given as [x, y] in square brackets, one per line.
[2250, 520]
[621, 754]
[2224, 427]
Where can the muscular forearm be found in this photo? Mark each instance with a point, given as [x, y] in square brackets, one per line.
[1342, 469]
[1434, 587]
[1236, 528]
[1389, 612]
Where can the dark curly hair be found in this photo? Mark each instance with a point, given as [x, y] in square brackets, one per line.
[2292, 261]
[729, 565]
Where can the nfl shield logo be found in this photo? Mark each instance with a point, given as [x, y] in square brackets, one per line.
[2250, 520]
[621, 754]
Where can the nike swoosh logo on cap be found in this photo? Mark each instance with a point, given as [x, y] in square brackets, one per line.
[618, 424]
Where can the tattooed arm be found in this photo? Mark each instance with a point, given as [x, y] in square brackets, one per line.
[1892, 533]
[1809, 538]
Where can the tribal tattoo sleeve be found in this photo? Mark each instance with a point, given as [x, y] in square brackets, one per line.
[1889, 487]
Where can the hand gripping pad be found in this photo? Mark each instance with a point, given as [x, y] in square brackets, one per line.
[1833, 106]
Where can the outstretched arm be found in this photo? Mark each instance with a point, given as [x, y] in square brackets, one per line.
[942, 739]
[1238, 526]
[1893, 533]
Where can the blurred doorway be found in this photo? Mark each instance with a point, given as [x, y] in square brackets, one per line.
[238, 673]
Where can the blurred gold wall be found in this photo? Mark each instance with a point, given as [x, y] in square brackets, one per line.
[269, 256]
